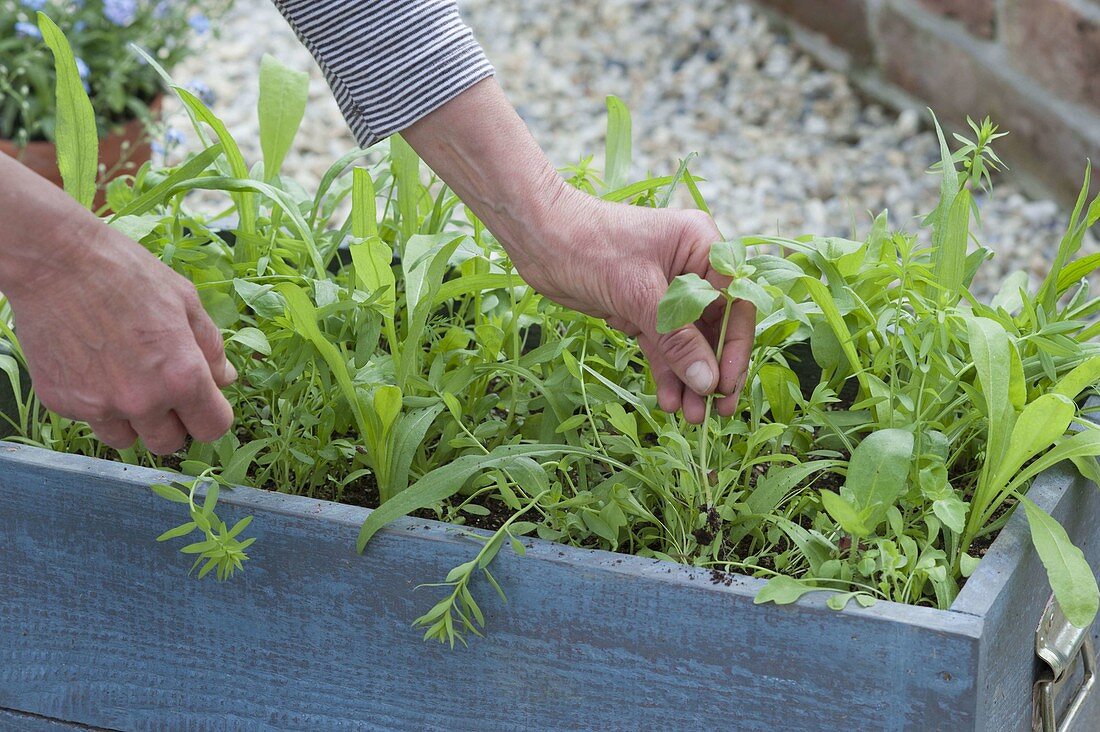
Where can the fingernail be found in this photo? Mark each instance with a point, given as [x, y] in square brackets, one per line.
[699, 377]
[230, 370]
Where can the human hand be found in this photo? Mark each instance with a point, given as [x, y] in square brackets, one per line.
[609, 260]
[115, 338]
[616, 261]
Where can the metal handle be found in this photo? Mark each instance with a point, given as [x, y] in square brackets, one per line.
[1059, 644]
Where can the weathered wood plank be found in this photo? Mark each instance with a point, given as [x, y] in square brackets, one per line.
[1010, 592]
[11, 721]
[102, 625]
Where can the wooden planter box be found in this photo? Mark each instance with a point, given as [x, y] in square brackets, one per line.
[101, 626]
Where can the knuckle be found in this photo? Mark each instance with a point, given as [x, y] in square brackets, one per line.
[182, 380]
[136, 402]
[164, 447]
[212, 430]
[49, 398]
[699, 219]
[189, 293]
[163, 441]
[118, 442]
[698, 224]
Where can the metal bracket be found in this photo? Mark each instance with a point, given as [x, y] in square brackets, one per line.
[1060, 644]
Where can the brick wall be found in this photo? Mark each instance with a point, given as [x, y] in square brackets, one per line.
[1032, 65]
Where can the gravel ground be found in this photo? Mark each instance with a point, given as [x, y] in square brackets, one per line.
[785, 146]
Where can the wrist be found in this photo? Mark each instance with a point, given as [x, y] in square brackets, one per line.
[57, 258]
[45, 231]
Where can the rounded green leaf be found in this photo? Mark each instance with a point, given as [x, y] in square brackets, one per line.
[727, 256]
[684, 302]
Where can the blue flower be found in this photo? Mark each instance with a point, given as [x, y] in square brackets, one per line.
[29, 30]
[199, 23]
[79, 26]
[33, 4]
[200, 89]
[82, 68]
[120, 12]
[174, 137]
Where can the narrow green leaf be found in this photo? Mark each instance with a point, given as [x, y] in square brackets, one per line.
[1037, 428]
[199, 547]
[949, 255]
[1070, 575]
[989, 348]
[364, 207]
[784, 590]
[824, 300]
[420, 253]
[253, 338]
[853, 520]
[211, 499]
[949, 187]
[283, 96]
[240, 526]
[236, 469]
[181, 530]
[1067, 247]
[405, 165]
[156, 195]
[445, 481]
[243, 198]
[618, 147]
[373, 261]
[304, 317]
[387, 404]
[135, 227]
[169, 492]
[77, 140]
[1080, 378]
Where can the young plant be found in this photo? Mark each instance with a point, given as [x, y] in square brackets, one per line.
[889, 424]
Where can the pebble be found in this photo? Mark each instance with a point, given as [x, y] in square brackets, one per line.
[785, 146]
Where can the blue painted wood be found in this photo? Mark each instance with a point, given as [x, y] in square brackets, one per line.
[1010, 592]
[11, 721]
[101, 626]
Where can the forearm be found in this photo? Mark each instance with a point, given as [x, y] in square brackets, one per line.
[389, 62]
[482, 149]
[42, 227]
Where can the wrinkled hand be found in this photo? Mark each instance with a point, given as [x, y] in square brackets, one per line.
[615, 261]
[115, 338]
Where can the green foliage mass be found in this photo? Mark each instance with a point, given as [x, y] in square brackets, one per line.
[889, 424]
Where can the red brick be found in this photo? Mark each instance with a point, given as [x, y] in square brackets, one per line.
[1058, 43]
[971, 79]
[844, 22]
[976, 14]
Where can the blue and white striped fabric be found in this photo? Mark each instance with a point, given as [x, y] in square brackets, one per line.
[389, 62]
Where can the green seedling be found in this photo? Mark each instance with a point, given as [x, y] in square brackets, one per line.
[889, 424]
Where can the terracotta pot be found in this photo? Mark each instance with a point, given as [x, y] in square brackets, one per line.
[121, 152]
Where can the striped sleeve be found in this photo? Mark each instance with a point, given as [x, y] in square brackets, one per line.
[389, 62]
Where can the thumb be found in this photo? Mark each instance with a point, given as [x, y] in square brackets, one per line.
[685, 350]
[209, 340]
